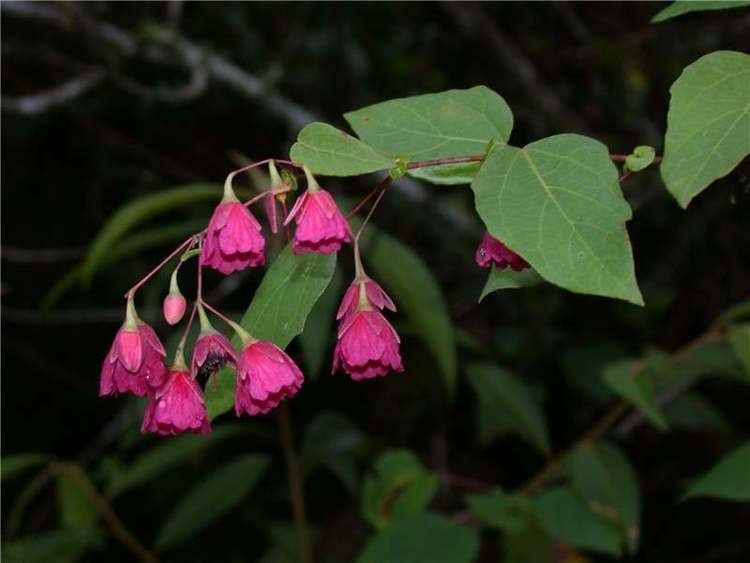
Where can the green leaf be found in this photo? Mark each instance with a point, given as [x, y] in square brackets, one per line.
[211, 498]
[603, 476]
[509, 512]
[729, 479]
[558, 204]
[708, 124]
[60, 546]
[413, 287]
[166, 455]
[136, 212]
[686, 6]
[331, 441]
[530, 545]
[431, 126]
[501, 391]
[565, 516]
[422, 538]
[508, 278]
[399, 487]
[278, 311]
[331, 152]
[148, 238]
[641, 157]
[74, 506]
[319, 330]
[13, 465]
[636, 382]
[739, 335]
[692, 412]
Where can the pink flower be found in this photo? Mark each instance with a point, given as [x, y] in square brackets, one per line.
[177, 407]
[374, 293]
[174, 308]
[320, 225]
[211, 352]
[233, 239]
[134, 364]
[265, 377]
[492, 251]
[367, 346]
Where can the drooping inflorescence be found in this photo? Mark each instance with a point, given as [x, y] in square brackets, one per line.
[367, 344]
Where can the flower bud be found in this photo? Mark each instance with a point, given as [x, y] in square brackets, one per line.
[174, 308]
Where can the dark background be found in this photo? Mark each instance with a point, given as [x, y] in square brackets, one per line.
[150, 122]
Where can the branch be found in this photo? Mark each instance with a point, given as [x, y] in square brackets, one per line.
[39, 103]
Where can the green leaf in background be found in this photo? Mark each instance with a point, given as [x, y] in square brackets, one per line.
[416, 292]
[58, 546]
[331, 152]
[603, 476]
[739, 335]
[422, 538]
[319, 331]
[12, 465]
[635, 381]
[501, 391]
[331, 441]
[211, 498]
[642, 157]
[693, 412]
[166, 455]
[148, 238]
[708, 124]
[430, 126]
[565, 516]
[278, 311]
[74, 506]
[136, 212]
[686, 6]
[729, 479]
[530, 545]
[509, 512]
[583, 364]
[400, 486]
[558, 204]
[508, 278]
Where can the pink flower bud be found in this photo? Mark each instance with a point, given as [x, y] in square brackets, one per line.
[266, 375]
[368, 346]
[177, 407]
[492, 251]
[174, 308]
[321, 227]
[211, 352]
[233, 239]
[121, 373]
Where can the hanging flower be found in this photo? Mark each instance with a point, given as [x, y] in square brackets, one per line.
[492, 251]
[177, 407]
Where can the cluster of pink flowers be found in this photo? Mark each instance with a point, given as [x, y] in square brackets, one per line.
[367, 344]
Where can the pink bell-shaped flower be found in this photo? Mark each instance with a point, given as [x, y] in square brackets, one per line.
[177, 407]
[135, 361]
[266, 375]
[233, 239]
[212, 350]
[321, 227]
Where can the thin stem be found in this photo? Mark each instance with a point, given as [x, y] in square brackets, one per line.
[262, 162]
[369, 214]
[245, 336]
[553, 466]
[161, 264]
[382, 186]
[272, 193]
[294, 475]
[440, 161]
[116, 526]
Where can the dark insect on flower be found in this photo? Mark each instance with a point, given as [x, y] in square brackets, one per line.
[213, 363]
